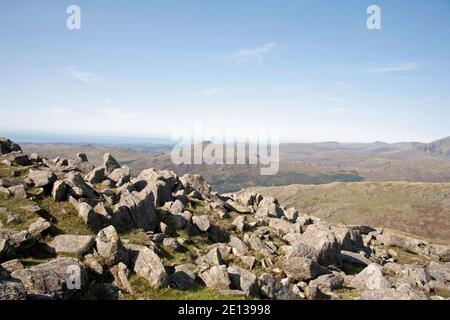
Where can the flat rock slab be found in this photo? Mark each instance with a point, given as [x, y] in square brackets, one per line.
[73, 244]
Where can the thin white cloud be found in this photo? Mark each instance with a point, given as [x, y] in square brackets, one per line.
[211, 91]
[79, 74]
[106, 101]
[256, 53]
[58, 110]
[408, 66]
[345, 84]
[336, 99]
[115, 113]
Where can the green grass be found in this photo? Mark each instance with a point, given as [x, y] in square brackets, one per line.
[142, 290]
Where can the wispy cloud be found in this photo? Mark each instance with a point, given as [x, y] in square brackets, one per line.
[256, 53]
[58, 110]
[336, 99]
[408, 66]
[116, 113]
[79, 74]
[105, 101]
[345, 84]
[211, 91]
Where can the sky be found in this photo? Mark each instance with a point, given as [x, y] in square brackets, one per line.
[310, 69]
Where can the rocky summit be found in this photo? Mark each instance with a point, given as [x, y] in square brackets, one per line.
[72, 230]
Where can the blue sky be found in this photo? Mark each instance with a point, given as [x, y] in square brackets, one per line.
[310, 69]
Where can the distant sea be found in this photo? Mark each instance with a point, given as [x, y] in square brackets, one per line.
[145, 143]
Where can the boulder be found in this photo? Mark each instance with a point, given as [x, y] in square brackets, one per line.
[283, 226]
[17, 241]
[79, 188]
[212, 258]
[110, 247]
[71, 244]
[12, 265]
[303, 269]
[183, 278]
[7, 146]
[259, 245]
[88, 215]
[176, 207]
[61, 278]
[371, 278]
[96, 175]
[148, 265]
[18, 191]
[239, 247]
[355, 258]
[271, 288]
[12, 289]
[121, 273]
[120, 176]
[403, 293]
[328, 282]
[59, 191]
[141, 209]
[201, 222]
[291, 214]
[216, 278]
[239, 223]
[42, 178]
[109, 163]
[243, 280]
[39, 226]
[16, 158]
[194, 182]
[324, 241]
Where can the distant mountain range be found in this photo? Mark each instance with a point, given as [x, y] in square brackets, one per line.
[300, 163]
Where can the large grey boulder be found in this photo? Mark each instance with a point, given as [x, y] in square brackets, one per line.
[324, 241]
[17, 241]
[141, 209]
[259, 245]
[59, 191]
[88, 215]
[243, 280]
[371, 278]
[283, 226]
[216, 277]
[195, 182]
[303, 269]
[328, 282]
[404, 292]
[120, 176]
[212, 258]
[239, 247]
[201, 222]
[110, 247]
[71, 244]
[355, 258]
[18, 191]
[39, 226]
[121, 273]
[7, 146]
[148, 265]
[109, 163]
[61, 278]
[183, 278]
[79, 188]
[10, 288]
[271, 288]
[96, 175]
[42, 178]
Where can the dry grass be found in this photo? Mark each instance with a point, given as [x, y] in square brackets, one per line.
[420, 209]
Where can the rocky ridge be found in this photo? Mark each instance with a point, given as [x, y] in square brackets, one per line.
[166, 231]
